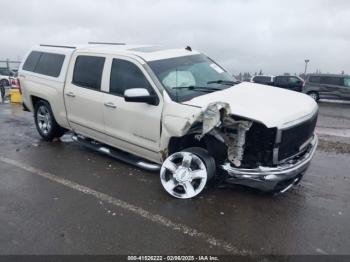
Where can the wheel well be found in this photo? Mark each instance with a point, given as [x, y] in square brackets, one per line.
[214, 147]
[177, 144]
[36, 99]
[5, 80]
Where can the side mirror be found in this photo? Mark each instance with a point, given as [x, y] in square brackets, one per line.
[140, 95]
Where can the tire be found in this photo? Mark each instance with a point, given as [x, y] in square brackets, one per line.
[4, 82]
[185, 174]
[209, 161]
[45, 121]
[314, 95]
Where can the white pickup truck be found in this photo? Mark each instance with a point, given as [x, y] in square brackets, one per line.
[173, 110]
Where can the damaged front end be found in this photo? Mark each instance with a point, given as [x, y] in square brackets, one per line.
[250, 154]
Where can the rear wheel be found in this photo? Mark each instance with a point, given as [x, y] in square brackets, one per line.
[45, 121]
[185, 174]
[4, 82]
[314, 96]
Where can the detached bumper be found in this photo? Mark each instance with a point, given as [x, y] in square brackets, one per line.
[279, 178]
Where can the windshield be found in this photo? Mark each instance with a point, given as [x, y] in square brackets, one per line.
[190, 76]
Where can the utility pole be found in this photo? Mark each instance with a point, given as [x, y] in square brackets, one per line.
[306, 62]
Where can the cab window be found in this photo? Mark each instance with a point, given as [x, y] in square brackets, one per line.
[294, 80]
[126, 75]
[88, 72]
[281, 80]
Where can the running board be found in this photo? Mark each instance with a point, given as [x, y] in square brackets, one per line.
[117, 154]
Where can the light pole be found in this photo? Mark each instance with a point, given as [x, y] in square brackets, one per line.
[306, 62]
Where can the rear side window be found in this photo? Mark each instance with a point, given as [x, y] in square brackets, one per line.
[88, 72]
[126, 75]
[281, 80]
[48, 64]
[32, 61]
[347, 81]
[331, 80]
[315, 79]
[262, 79]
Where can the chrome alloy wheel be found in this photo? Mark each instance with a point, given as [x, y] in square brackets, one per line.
[183, 175]
[44, 120]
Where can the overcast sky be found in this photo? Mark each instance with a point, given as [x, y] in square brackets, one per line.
[275, 36]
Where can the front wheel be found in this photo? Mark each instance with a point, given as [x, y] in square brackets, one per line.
[185, 174]
[314, 96]
[45, 121]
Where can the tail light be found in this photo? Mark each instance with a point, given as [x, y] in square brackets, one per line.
[15, 83]
[19, 86]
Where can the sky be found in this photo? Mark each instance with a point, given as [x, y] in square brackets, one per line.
[274, 36]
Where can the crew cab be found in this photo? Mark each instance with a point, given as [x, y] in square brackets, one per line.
[293, 83]
[171, 110]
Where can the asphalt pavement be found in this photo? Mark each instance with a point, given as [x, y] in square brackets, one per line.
[61, 198]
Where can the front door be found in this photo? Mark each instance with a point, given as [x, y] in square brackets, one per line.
[132, 126]
[331, 87]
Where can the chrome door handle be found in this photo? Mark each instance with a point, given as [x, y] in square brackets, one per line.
[110, 104]
[71, 94]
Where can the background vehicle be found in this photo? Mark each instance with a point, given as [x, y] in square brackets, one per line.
[5, 75]
[327, 86]
[262, 79]
[171, 109]
[293, 83]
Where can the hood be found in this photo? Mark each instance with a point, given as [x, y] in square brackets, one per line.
[272, 106]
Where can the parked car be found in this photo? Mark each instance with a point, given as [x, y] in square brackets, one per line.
[173, 110]
[5, 75]
[262, 79]
[293, 83]
[327, 86]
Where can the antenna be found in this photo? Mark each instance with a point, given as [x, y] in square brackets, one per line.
[104, 43]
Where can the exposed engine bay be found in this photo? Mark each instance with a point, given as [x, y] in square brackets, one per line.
[218, 123]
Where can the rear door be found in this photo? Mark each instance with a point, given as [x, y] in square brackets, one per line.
[133, 127]
[281, 81]
[83, 96]
[331, 87]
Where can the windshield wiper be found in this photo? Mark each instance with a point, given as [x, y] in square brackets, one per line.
[199, 88]
[223, 82]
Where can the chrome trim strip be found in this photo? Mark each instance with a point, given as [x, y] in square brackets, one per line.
[117, 154]
[282, 172]
[299, 120]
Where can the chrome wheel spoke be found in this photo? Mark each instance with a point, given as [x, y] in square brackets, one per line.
[199, 174]
[41, 117]
[189, 189]
[170, 185]
[187, 159]
[170, 166]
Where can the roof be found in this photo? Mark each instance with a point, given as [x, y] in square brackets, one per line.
[146, 52]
